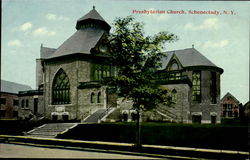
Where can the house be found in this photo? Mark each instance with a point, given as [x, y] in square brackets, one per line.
[67, 81]
[229, 106]
[9, 99]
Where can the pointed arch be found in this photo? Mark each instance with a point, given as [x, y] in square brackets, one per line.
[174, 95]
[92, 98]
[61, 88]
[174, 65]
[99, 97]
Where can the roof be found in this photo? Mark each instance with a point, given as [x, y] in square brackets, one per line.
[93, 14]
[82, 41]
[12, 87]
[46, 52]
[189, 57]
[91, 17]
[229, 95]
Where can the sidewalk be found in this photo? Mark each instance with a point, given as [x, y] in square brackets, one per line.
[128, 148]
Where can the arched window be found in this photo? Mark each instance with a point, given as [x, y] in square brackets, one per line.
[174, 65]
[23, 103]
[92, 98]
[99, 97]
[27, 103]
[99, 74]
[196, 88]
[174, 95]
[61, 88]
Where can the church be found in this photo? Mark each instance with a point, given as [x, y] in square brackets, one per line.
[68, 85]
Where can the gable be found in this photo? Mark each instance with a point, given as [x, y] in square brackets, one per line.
[174, 64]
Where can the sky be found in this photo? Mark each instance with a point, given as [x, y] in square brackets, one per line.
[222, 38]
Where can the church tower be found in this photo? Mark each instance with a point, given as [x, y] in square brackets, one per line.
[72, 71]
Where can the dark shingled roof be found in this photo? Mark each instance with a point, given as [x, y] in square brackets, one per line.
[80, 42]
[12, 87]
[229, 95]
[93, 17]
[93, 14]
[83, 40]
[46, 52]
[189, 57]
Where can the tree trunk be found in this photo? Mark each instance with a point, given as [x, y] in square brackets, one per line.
[138, 129]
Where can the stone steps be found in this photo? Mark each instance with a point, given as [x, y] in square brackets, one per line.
[97, 116]
[50, 130]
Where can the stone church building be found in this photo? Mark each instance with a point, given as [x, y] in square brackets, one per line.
[68, 79]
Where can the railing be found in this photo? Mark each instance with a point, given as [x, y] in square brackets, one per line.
[167, 112]
[174, 79]
[106, 111]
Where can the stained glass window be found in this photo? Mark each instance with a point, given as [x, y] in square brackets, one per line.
[174, 95]
[101, 71]
[196, 89]
[61, 88]
[213, 89]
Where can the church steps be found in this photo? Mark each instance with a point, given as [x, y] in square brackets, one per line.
[50, 129]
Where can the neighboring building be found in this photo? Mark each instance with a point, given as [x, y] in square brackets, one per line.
[229, 106]
[9, 99]
[69, 75]
[247, 110]
[31, 104]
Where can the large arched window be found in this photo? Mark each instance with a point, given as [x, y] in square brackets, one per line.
[61, 88]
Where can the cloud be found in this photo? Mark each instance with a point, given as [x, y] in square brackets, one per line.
[218, 44]
[209, 23]
[51, 16]
[43, 31]
[26, 26]
[54, 17]
[15, 43]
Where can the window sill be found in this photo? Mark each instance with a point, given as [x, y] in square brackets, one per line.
[60, 105]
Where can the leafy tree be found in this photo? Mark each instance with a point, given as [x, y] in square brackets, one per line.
[137, 58]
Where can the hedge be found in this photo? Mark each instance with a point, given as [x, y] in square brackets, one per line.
[189, 135]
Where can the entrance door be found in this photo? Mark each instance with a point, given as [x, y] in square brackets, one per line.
[213, 119]
[196, 119]
[35, 105]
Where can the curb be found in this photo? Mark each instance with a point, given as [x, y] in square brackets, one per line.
[128, 148]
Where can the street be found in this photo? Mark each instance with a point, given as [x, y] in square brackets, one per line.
[24, 151]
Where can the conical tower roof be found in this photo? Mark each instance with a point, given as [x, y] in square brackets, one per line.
[90, 30]
[92, 17]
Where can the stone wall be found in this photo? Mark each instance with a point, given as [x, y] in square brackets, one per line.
[85, 107]
[206, 108]
[39, 73]
[80, 105]
[71, 68]
[182, 105]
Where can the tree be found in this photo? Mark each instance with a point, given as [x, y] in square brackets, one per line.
[137, 58]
